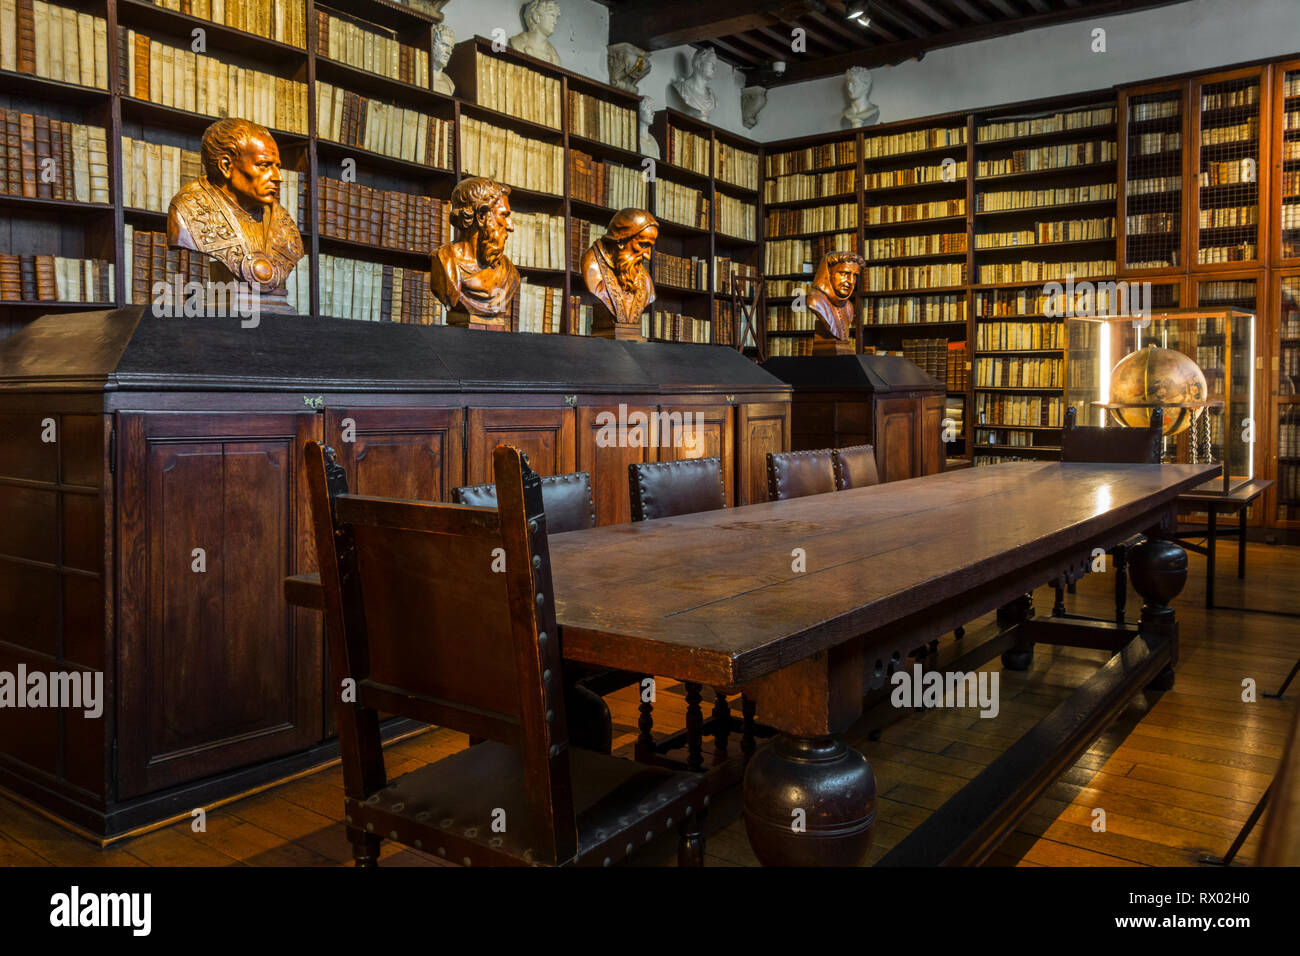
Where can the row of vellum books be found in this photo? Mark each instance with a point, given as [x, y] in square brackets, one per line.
[185, 80]
[54, 43]
[510, 158]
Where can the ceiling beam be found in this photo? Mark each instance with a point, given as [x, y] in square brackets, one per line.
[935, 16]
[759, 40]
[975, 13]
[835, 12]
[890, 53]
[1042, 6]
[656, 24]
[1007, 8]
[745, 59]
[879, 10]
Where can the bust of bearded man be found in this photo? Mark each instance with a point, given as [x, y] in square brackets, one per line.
[831, 298]
[473, 277]
[616, 269]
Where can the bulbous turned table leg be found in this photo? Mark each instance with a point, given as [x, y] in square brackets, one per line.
[1158, 570]
[1010, 614]
[809, 801]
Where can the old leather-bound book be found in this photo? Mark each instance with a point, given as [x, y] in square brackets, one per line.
[39, 150]
[43, 269]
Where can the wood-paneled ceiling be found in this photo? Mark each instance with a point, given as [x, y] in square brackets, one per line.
[752, 34]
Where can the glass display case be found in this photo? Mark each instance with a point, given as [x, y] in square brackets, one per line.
[1196, 364]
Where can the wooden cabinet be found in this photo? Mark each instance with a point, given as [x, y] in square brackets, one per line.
[880, 400]
[699, 431]
[214, 670]
[401, 452]
[545, 435]
[150, 541]
[605, 453]
[761, 429]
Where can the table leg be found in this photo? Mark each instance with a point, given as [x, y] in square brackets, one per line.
[1158, 568]
[810, 801]
[1009, 615]
[1241, 542]
[1213, 530]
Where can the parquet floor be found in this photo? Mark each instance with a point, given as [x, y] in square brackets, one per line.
[1176, 775]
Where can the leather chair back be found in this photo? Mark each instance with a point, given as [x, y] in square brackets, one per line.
[666, 488]
[855, 467]
[1114, 445]
[567, 499]
[794, 474]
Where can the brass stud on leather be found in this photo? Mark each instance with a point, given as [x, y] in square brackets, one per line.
[532, 526]
[541, 638]
[608, 862]
[649, 835]
[370, 828]
[467, 861]
[537, 561]
[628, 849]
[445, 823]
[541, 599]
[670, 822]
[550, 716]
[471, 832]
[419, 844]
[348, 818]
[392, 835]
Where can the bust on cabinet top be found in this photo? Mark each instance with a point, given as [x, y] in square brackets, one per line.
[861, 111]
[616, 269]
[232, 213]
[831, 298]
[473, 276]
[444, 38]
[645, 117]
[693, 88]
[540, 18]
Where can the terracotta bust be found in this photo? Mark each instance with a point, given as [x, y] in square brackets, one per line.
[617, 272]
[540, 18]
[473, 277]
[232, 213]
[831, 298]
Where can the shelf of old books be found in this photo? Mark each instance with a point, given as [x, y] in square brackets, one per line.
[1286, 392]
[1228, 134]
[1152, 138]
[1286, 163]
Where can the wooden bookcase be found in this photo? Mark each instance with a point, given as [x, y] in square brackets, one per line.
[806, 179]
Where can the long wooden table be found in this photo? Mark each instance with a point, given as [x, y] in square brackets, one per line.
[797, 603]
[722, 598]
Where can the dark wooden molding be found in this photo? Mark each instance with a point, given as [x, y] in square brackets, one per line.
[654, 25]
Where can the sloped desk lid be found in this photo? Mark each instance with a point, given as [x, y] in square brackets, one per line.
[870, 373]
[130, 349]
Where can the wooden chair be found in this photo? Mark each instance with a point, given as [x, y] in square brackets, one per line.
[666, 489]
[794, 474]
[855, 467]
[569, 506]
[1115, 445]
[424, 621]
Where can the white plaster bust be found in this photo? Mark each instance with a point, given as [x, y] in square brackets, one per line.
[628, 66]
[646, 116]
[752, 101]
[540, 18]
[693, 88]
[861, 111]
[443, 40]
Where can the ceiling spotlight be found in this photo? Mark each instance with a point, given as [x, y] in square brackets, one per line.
[857, 10]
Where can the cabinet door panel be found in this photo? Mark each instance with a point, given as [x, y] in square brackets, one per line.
[760, 429]
[545, 435]
[216, 670]
[933, 409]
[706, 434]
[412, 453]
[607, 461]
[896, 447]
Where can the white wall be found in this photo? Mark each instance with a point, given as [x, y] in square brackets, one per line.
[580, 37]
[1180, 38]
